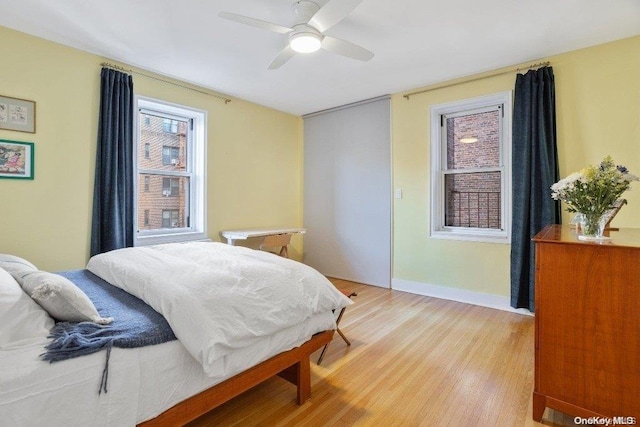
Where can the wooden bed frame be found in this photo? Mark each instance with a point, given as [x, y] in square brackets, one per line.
[292, 365]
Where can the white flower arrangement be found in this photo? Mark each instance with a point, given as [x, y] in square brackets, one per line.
[595, 189]
[593, 192]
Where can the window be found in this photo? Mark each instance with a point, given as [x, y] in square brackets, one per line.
[470, 169]
[170, 126]
[170, 187]
[170, 190]
[171, 218]
[170, 155]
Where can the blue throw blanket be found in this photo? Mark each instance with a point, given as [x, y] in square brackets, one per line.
[135, 324]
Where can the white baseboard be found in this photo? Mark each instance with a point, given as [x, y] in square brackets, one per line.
[470, 297]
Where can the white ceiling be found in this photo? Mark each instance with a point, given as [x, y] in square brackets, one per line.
[416, 42]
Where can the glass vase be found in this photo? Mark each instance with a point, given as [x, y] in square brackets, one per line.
[592, 227]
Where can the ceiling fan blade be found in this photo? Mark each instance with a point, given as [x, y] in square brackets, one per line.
[345, 48]
[258, 23]
[332, 13]
[284, 55]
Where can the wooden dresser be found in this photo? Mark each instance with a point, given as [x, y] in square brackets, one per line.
[587, 340]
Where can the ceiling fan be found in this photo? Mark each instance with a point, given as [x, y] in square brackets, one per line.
[307, 35]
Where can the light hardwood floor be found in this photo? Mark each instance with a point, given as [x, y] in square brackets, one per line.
[414, 361]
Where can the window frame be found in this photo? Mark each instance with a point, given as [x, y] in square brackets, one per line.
[195, 167]
[438, 162]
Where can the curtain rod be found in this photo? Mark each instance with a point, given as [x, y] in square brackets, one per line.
[118, 68]
[475, 78]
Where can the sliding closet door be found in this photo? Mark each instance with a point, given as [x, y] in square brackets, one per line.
[347, 192]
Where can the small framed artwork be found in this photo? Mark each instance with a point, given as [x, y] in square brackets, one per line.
[17, 114]
[16, 159]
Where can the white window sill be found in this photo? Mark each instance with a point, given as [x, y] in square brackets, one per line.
[472, 236]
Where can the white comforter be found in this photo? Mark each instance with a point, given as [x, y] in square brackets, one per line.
[217, 297]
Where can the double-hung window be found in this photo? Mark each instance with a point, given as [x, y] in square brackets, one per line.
[470, 169]
[170, 171]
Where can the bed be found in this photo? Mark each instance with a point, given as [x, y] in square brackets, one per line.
[174, 382]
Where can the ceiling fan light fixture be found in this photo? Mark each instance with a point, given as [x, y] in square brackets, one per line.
[305, 42]
[469, 140]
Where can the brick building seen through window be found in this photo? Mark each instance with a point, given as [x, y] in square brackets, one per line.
[163, 203]
[472, 195]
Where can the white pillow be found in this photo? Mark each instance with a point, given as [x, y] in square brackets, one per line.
[13, 264]
[62, 299]
[22, 321]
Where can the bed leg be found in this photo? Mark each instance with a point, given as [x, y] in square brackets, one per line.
[300, 375]
[304, 380]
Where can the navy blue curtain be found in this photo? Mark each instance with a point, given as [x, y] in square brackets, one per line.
[112, 225]
[534, 170]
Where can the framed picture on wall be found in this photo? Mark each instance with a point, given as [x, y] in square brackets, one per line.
[16, 159]
[17, 114]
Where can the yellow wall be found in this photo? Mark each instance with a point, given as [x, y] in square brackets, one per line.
[598, 113]
[254, 155]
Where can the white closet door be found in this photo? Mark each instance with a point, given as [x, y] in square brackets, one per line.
[347, 192]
